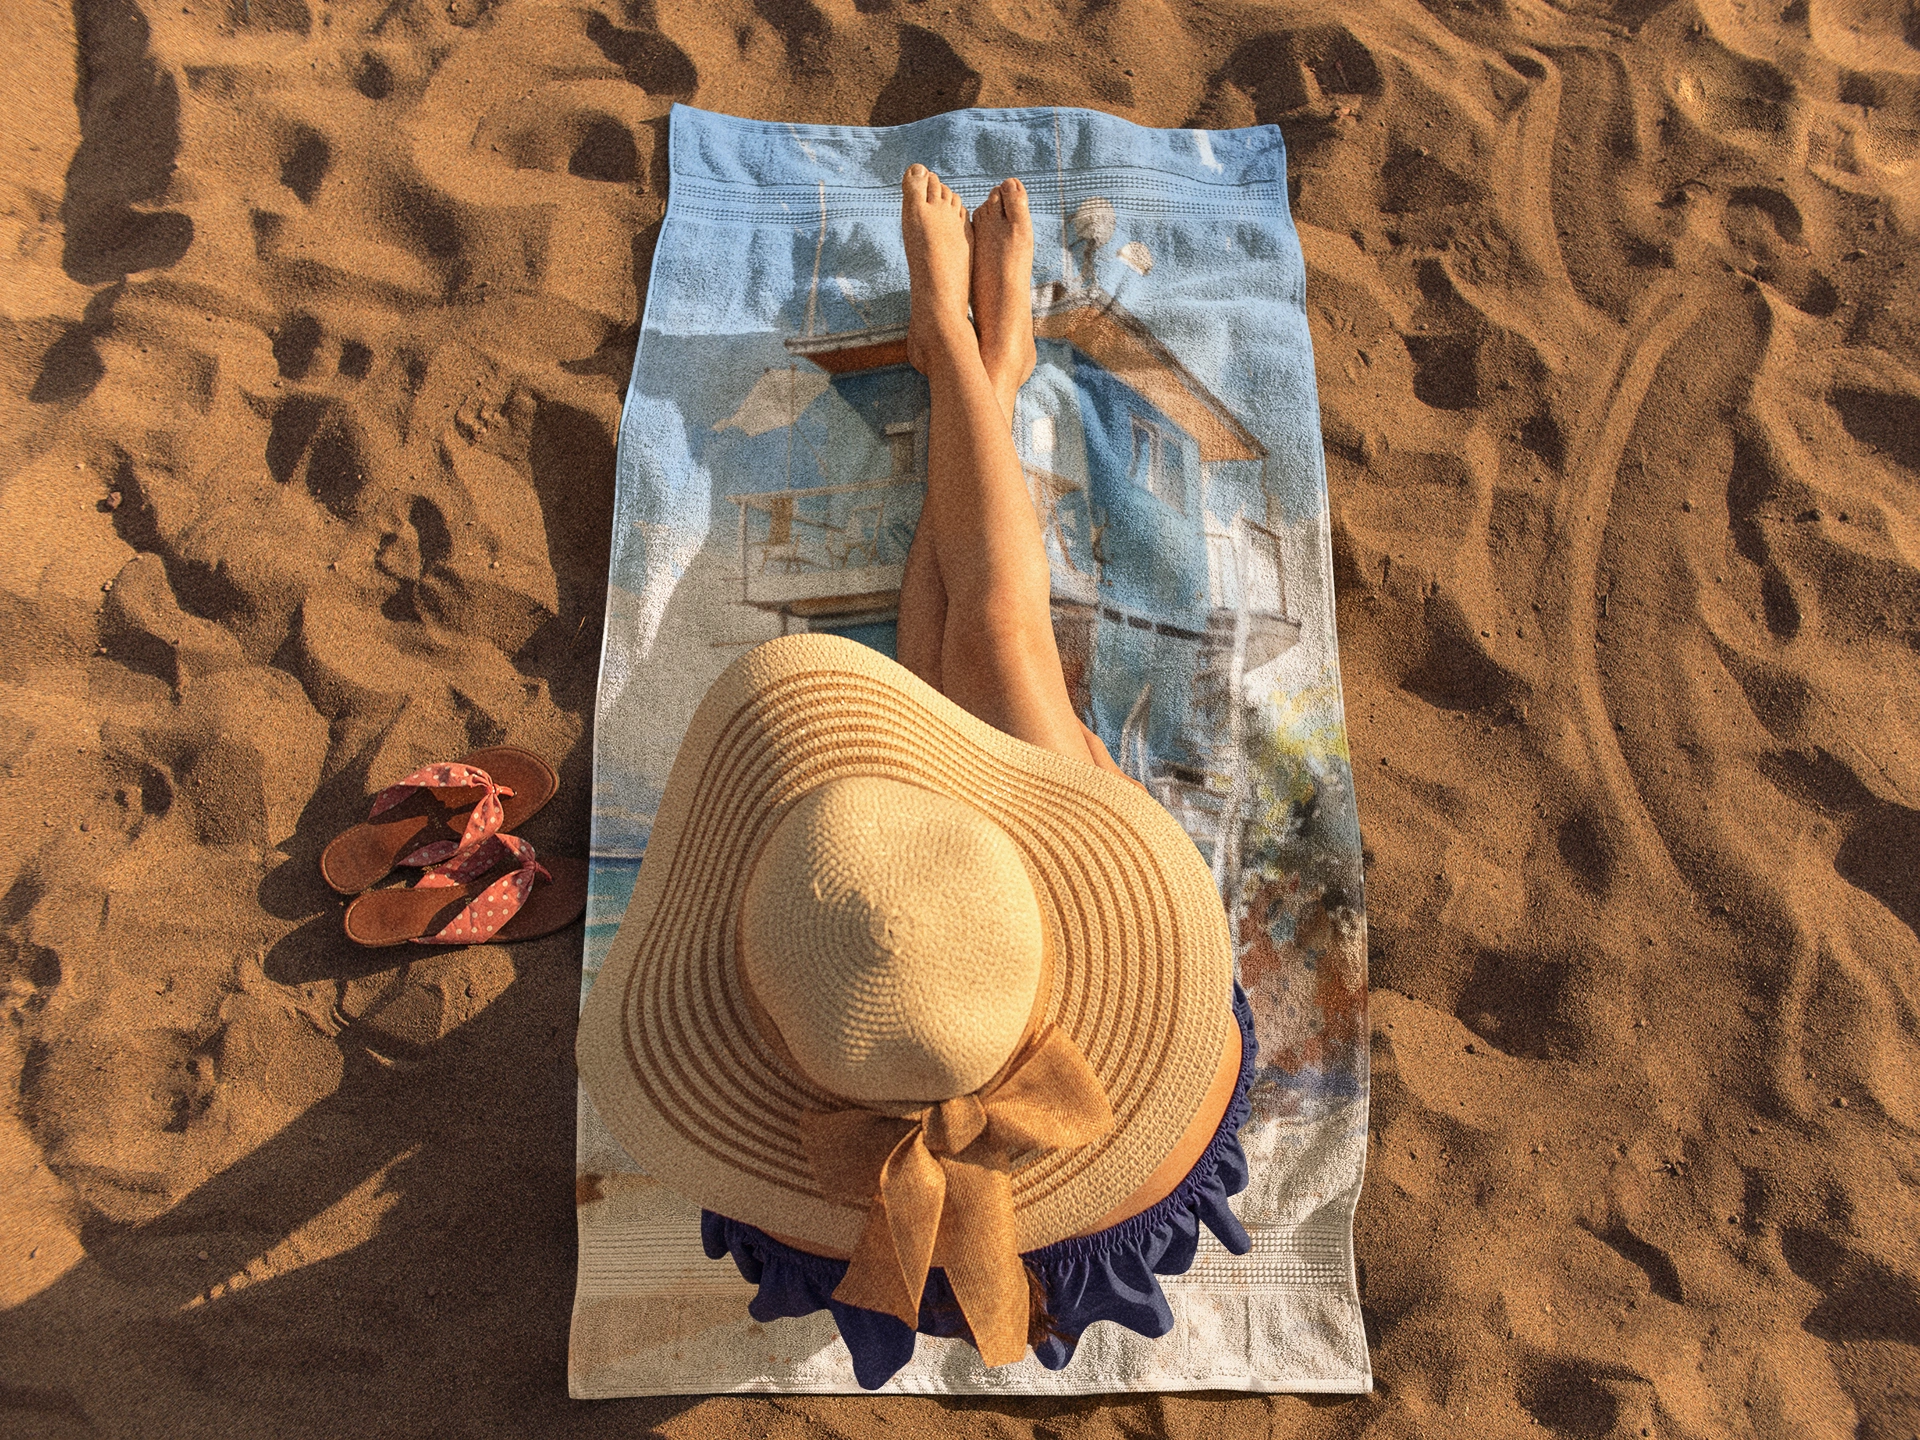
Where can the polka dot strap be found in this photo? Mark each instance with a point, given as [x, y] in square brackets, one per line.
[485, 818]
[493, 906]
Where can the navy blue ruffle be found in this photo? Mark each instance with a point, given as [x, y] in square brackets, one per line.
[1109, 1275]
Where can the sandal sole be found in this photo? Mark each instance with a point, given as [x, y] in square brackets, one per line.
[400, 914]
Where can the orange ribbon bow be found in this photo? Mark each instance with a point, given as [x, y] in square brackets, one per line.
[939, 1186]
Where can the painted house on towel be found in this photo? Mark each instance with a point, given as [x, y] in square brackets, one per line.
[1159, 607]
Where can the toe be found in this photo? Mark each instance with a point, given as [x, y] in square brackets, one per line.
[1014, 196]
[915, 176]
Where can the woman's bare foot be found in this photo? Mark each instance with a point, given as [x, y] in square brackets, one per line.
[934, 225]
[1003, 289]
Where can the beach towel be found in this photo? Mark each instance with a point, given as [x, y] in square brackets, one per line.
[772, 460]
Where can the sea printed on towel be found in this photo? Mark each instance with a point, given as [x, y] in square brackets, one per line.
[773, 458]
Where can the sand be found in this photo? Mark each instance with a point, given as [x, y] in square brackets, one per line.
[317, 319]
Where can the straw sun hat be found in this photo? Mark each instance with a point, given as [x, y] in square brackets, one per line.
[900, 986]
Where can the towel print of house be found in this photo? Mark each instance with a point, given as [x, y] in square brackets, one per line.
[1159, 608]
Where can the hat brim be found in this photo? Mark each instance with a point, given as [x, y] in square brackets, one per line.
[1141, 956]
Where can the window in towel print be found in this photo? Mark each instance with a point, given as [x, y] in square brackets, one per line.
[1040, 435]
[1243, 568]
[900, 448]
[1157, 463]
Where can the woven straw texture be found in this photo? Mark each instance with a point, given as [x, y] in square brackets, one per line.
[892, 937]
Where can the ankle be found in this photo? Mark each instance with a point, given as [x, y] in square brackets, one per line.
[948, 351]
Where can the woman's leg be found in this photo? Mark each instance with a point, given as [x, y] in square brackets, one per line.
[996, 657]
[1000, 288]
[984, 637]
[1003, 316]
[923, 607]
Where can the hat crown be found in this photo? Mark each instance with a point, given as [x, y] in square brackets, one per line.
[893, 937]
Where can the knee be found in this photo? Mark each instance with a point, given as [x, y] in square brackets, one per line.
[1000, 637]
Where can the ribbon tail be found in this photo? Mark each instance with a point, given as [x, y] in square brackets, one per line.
[888, 1270]
[943, 1192]
[977, 1251]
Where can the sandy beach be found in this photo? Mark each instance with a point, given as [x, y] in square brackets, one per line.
[317, 319]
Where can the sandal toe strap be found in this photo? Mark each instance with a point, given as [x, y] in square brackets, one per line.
[494, 906]
[483, 821]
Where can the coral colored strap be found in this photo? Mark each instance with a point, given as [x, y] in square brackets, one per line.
[485, 819]
[492, 907]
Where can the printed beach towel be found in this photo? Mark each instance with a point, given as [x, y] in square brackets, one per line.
[771, 466]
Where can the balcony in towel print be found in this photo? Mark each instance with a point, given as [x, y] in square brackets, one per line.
[1159, 606]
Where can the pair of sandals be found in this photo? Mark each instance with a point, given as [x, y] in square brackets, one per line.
[486, 885]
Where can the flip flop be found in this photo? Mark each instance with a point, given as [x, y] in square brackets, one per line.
[516, 781]
[449, 907]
